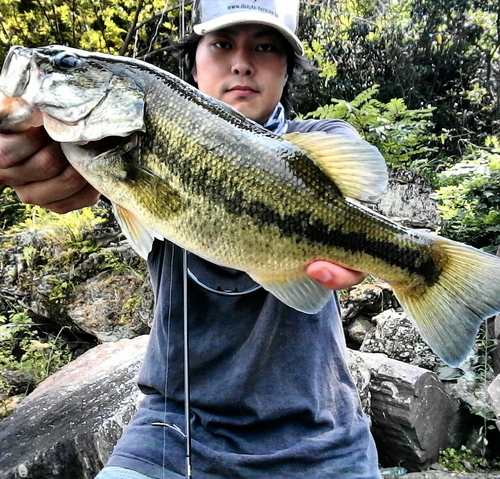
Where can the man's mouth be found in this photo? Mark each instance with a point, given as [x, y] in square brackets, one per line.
[242, 88]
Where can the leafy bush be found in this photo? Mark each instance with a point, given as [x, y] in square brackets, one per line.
[68, 230]
[461, 460]
[22, 348]
[12, 211]
[401, 135]
[469, 196]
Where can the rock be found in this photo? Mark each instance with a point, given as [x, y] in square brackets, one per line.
[361, 374]
[108, 295]
[451, 475]
[495, 334]
[16, 382]
[368, 298]
[359, 328]
[409, 200]
[68, 426]
[494, 397]
[109, 306]
[413, 416]
[396, 337]
[474, 394]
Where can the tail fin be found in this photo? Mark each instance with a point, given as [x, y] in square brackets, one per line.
[449, 313]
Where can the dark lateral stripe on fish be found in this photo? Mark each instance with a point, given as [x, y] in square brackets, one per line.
[316, 231]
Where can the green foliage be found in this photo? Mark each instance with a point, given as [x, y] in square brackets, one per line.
[68, 230]
[483, 370]
[469, 196]
[136, 28]
[117, 265]
[441, 53]
[484, 374]
[400, 134]
[11, 209]
[128, 309]
[60, 290]
[21, 347]
[461, 460]
[108, 26]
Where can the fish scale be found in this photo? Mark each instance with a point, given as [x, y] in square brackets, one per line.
[181, 166]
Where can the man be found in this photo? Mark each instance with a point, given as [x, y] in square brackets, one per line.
[271, 394]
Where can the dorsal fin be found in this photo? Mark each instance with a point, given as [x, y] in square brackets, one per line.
[356, 167]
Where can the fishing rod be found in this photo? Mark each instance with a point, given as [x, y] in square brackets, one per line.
[187, 394]
[185, 275]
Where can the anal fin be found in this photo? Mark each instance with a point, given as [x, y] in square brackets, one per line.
[297, 291]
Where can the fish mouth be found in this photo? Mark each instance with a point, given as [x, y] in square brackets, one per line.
[107, 145]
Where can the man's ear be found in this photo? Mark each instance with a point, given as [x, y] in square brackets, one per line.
[194, 72]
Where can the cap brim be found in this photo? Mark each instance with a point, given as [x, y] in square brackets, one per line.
[231, 19]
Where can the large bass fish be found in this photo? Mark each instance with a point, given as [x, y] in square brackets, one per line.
[181, 166]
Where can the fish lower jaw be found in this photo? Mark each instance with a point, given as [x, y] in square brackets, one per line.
[16, 115]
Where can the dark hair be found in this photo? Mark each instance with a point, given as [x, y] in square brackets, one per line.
[296, 65]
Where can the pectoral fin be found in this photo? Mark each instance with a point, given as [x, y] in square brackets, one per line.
[356, 167]
[140, 237]
[158, 201]
[297, 291]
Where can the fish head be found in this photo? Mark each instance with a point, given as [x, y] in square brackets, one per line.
[73, 91]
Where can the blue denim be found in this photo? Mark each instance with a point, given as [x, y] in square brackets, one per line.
[112, 472]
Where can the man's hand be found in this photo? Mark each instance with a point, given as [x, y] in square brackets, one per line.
[333, 276]
[40, 174]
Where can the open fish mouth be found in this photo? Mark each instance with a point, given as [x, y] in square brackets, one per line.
[105, 144]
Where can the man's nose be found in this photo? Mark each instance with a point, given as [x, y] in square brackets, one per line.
[242, 63]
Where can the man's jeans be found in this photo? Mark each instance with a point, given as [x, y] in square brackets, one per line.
[112, 472]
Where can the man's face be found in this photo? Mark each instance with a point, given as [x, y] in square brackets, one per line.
[244, 66]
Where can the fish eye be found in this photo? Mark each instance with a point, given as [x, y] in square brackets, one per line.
[65, 61]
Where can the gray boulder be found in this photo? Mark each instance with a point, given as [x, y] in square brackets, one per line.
[395, 336]
[68, 426]
[494, 397]
[413, 417]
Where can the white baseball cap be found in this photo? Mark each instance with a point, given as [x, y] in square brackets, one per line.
[211, 15]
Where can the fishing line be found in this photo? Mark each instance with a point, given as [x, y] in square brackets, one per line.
[187, 394]
[165, 425]
[187, 403]
[167, 367]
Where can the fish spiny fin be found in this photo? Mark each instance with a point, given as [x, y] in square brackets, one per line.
[448, 314]
[297, 291]
[140, 237]
[356, 167]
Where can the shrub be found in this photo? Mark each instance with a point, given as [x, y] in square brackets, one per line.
[469, 196]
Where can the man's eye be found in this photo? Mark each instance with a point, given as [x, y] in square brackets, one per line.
[223, 45]
[266, 47]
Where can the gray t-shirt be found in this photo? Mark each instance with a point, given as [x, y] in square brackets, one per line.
[271, 394]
